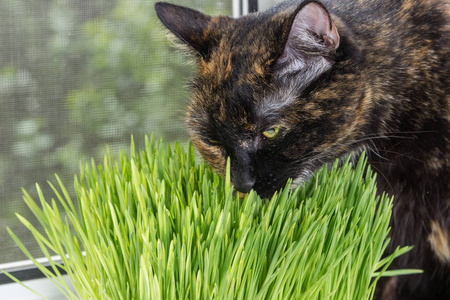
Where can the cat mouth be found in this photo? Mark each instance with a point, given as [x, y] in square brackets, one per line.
[241, 195]
[266, 192]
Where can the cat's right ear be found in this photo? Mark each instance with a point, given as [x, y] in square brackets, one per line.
[186, 24]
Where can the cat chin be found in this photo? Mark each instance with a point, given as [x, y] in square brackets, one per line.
[307, 173]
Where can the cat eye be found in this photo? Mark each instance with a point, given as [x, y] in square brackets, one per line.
[272, 132]
[213, 142]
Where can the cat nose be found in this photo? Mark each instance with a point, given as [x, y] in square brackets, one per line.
[244, 186]
[242, 175]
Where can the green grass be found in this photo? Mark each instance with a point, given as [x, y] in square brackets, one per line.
[158, 225]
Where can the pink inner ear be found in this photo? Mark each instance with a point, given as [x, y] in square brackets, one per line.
[315, 17]
[312, 37]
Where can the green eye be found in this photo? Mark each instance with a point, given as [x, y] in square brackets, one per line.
[272, 132]
[214, 142]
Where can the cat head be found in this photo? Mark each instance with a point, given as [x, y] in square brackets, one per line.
[264, 93]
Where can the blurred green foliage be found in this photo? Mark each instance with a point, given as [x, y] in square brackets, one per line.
[76, 76]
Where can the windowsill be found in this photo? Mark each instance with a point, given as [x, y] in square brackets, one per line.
[43, 286]
[29, 275]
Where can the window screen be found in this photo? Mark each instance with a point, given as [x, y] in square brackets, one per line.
[76, 76]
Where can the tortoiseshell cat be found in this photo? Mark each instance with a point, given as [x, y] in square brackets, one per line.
[284, 91]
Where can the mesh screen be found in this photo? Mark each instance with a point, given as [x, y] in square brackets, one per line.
[76, 76]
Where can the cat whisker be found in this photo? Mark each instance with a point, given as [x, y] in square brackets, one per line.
[382, 174]
[370, 138]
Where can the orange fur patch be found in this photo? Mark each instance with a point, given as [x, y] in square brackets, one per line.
[440, 242]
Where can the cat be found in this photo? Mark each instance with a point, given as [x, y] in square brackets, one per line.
[284, 91]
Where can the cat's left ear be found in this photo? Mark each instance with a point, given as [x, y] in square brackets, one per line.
[313, 16]
[187, 24]
[312, 33]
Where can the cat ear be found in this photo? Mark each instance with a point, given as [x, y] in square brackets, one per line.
[312, 33]
[315, 17]
[187, 24]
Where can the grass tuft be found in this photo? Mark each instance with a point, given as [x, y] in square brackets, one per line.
[157, 225]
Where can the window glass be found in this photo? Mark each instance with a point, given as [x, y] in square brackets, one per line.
[76, 76]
